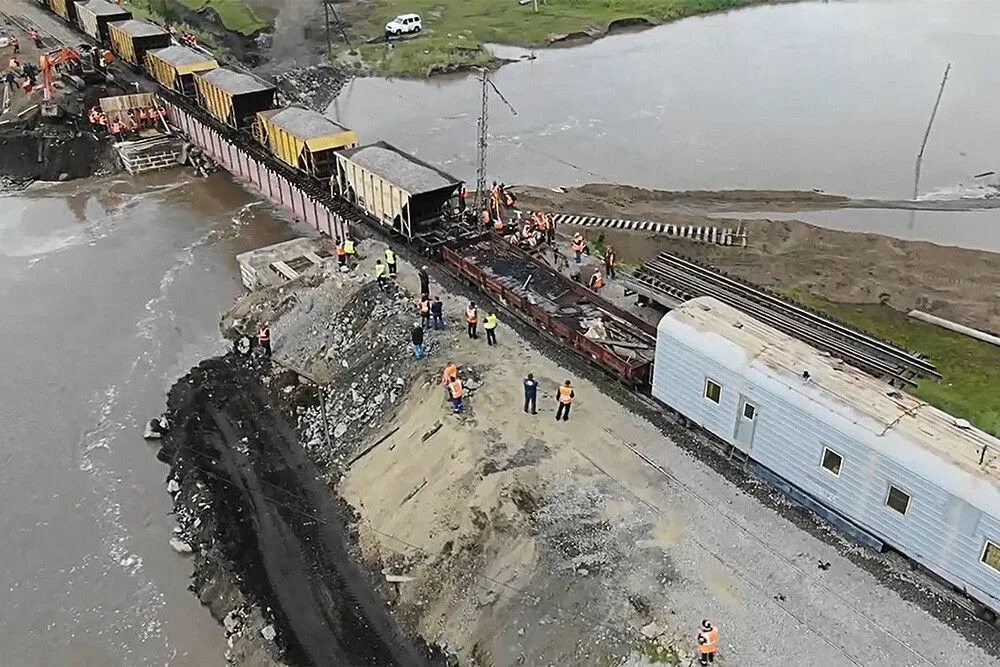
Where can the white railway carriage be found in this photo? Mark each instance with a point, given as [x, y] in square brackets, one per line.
[873, 460]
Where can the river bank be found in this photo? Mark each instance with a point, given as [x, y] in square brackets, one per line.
[504, 537]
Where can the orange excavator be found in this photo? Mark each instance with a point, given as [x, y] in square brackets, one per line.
[86, 62]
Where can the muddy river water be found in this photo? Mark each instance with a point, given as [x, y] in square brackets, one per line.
[110, 290]
[834, 96]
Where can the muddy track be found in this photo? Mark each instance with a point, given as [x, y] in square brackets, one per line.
[281, 530]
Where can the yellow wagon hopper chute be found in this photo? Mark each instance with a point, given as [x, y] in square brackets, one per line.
[175, 66]
[133, 38]
[304, 139]
[233, 97]
[64, 8]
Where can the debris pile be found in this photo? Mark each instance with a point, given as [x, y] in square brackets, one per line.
[313, 87]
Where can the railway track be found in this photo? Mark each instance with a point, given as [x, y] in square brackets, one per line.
[669, 280]
[704, 233]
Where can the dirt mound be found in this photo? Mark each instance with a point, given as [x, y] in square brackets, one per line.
[273, 525]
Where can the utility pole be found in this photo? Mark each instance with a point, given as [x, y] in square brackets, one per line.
[482, 127]
[927, 133]
[328, 8]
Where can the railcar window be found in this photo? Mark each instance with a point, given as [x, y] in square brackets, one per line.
[749, 411]
[832, 461]
[713, 391]
[898, 500]
[991, 555]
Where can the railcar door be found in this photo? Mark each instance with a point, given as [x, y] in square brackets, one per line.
[746, 422]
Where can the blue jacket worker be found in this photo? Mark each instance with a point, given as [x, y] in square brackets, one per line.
[437, 312]
[530, 393]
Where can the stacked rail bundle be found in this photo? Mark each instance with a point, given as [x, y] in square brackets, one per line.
[94, 17]
[175, 66]
[610, 337]
[131, 39]
[397, 189]
[63, 8]
[670, 280]
[304, 139]
[232, 97]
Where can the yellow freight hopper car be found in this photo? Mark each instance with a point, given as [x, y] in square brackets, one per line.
[64, 8]
[133, 38]
[397, 189]
[233, 97]
[304, 139]
[175, 66]
[93, 17]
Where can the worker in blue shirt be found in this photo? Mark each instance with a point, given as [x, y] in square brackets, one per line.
[530, 393]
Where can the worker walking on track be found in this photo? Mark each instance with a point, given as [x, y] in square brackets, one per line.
[349, 250]
[609, 262]
[425, 311]
[457, 392]
[425, 280]
[381, 274]
[530, 393]
[708, 642]
[437, 313]
[472, 319]
[578, 246]
[596, 281]
[341, 255]
[417, 338]
[13, 41]
[390, 260]
[264, 339]
[566, 396]
[490, 325]
[450, 371]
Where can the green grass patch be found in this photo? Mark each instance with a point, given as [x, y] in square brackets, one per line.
[657, 653]
[458, 24]
[424, 56]
[970, 386]
[235, 15]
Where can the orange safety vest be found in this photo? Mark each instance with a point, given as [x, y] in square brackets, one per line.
[596, 280]
[456, 388]
[340, 251]
[578, 246]
[264, 335]
[116, 127]
[711, 641]
[449, 372]
[143, 115]
[425, 306]
[485, 217]
[498, 225]
[471, 315]
[565, 395]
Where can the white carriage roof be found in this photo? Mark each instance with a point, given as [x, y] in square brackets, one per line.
[889, 415]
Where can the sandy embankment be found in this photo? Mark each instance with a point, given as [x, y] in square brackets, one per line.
[846, 267]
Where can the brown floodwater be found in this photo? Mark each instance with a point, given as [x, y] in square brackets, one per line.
[834, 96]
[110, 289]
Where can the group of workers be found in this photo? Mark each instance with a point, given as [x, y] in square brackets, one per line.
[123, 124]
[183, 36]
[347, 256]
[18, 74]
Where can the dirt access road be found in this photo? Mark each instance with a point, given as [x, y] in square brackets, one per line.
[520, 540]
[844, 267]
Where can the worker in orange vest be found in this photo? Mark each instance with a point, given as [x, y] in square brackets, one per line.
[425, 311]
[498, 226]
[116, 129]
[13, 65]
[566, 396]
[264, 339]
[35, 37]
[450, 371]
[596, 281]
[94, 116]
[341, 254]
[485, 216]
[143, 117]
[457, 392]
[708, 642]
[13, 41]
[579, 246]
[472, 319]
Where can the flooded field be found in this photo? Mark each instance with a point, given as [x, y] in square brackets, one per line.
[110, 290]
[834, 96]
